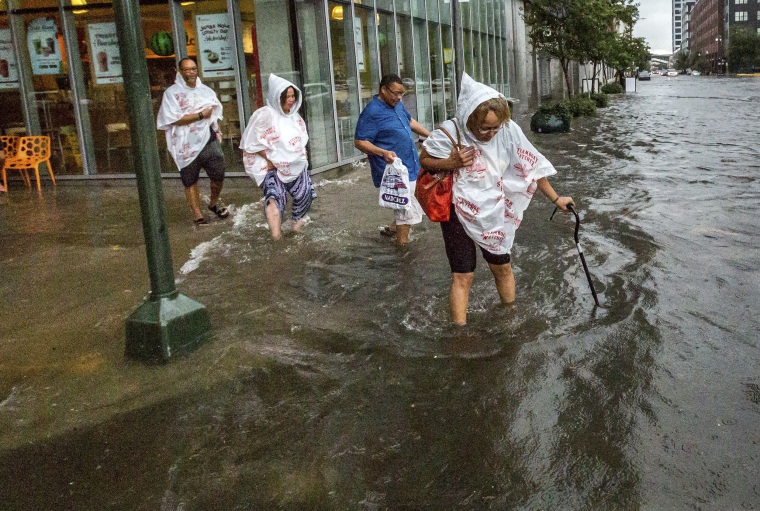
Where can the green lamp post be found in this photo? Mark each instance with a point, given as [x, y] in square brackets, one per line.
[167, 322]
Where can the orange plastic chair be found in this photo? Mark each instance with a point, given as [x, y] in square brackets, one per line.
[31, 152]
[9, 147]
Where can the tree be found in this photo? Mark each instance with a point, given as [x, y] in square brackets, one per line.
[627, 54]
[743, 49]
[683, 60]
[580, 30]
[552, 30]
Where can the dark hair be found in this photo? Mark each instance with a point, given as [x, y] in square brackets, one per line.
[498, 106]
[179, 64]
[389, 79]
[284, 94]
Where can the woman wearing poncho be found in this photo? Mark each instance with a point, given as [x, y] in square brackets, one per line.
[274, 154]
[496, 174]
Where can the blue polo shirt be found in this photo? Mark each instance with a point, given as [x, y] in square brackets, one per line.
[388, 128]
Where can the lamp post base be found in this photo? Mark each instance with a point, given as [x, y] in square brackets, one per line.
[160, 328]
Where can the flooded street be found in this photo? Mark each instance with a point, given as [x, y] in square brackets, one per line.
[334, 381]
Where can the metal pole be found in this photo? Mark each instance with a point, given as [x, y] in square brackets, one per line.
[166, 321]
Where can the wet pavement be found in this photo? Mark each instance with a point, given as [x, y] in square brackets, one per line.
[332, 379]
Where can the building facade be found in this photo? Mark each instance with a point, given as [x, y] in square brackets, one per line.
[711, 26]
[679, 8]
[706, 30]
[60, 71]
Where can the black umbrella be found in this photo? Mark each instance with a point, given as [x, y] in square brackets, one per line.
[580, 250]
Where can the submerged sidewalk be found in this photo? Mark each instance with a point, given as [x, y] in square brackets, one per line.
[73, 267]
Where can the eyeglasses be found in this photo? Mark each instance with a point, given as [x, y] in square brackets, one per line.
[399, 94]
[490, 131]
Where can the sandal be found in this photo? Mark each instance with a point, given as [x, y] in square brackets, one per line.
[200, 221]
[219, 211]
[387, 231]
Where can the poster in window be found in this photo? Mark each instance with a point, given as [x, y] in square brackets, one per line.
[215, 55]
[104, 53]
[44, 52]
[8, 69]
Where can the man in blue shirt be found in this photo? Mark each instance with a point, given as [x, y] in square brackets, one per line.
[384, 132]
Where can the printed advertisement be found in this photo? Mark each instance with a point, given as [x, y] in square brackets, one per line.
[215, 56]
[45, 54]
[104, 53]
[8, 69]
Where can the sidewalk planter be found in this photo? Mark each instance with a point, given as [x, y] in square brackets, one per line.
[612, 88]
[601, 100]
[551, 119]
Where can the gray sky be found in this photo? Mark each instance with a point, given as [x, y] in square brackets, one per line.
[655, 24]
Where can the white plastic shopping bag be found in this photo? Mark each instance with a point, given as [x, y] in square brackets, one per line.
[394, 188]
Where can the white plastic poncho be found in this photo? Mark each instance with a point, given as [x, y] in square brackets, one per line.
[282, 136]
[491, 195]
[185, 142]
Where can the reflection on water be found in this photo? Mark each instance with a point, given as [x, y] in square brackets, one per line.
[335, 381]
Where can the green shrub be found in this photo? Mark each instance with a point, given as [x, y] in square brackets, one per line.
[601, 99]
[551, 118]
[581, 105]
[612, 88]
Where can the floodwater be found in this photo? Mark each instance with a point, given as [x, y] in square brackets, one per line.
[333, 380]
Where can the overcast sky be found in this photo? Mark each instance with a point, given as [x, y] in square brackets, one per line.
[655, 24]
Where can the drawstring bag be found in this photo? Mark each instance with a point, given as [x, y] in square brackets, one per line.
[394, 187]
[433, 191]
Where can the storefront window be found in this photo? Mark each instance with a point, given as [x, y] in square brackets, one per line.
[406, 62]
[12, 120]
[436, 68]
[422, 68]
[342, 30]
[432, 10]
[386, 35]
[445, 10]
[402, 7]
[274, 39]
[51, 93]
[386, 5]
[366, 43]
[317, 87]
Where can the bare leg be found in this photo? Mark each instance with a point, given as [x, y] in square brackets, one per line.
[459, 296]
[194, 200]
[505, 281]
[273, 219]
[402, 234]
[216, 191]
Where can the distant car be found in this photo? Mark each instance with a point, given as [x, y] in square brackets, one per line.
[672, 72]
[644, 75]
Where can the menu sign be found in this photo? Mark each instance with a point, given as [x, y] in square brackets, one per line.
[8, 69]
[42, 40]
[215, 45]
[104, 53]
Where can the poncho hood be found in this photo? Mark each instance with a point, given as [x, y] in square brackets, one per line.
[472, 94]
[277, 86]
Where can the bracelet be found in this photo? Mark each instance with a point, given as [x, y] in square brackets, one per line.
[200, 116]
[555, 200]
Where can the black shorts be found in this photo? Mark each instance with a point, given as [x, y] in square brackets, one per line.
[210, 159]
[460, 249]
